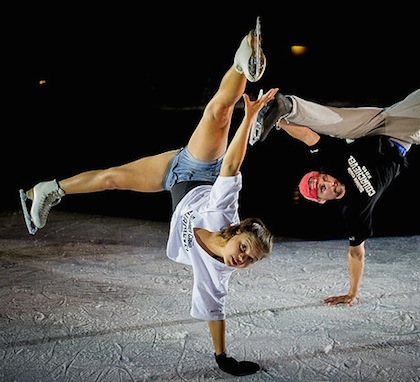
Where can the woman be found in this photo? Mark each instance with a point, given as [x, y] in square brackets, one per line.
[204, 179]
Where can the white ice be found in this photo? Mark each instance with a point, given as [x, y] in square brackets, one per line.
[95, 299]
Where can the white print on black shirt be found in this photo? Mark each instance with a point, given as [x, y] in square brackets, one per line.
[187, 231]
[361, 176]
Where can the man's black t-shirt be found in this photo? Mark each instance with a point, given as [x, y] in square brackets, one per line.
[366, 166]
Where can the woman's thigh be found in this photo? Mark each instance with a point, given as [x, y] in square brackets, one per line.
[144, 174]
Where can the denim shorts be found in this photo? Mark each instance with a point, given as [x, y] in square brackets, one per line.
[184, 167]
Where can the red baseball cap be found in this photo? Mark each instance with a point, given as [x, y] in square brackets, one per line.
[304, 188]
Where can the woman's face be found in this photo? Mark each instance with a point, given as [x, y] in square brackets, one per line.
[240, 252]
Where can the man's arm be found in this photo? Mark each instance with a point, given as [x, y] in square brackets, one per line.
[356, 265]
[356, 254]
[300, 132]
[236, 151]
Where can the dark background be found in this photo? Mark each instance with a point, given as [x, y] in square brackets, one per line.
[124, 82]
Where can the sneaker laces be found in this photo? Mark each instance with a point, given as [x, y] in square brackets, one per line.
[277, 125]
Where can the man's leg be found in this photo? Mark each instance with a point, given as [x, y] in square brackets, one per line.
[399, 121]
[402, 120]
[340, 122]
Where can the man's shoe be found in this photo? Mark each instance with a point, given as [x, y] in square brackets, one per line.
[44, 196]
[249, 58]
[269, 116]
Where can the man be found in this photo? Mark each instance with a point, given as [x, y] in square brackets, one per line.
[358, 151]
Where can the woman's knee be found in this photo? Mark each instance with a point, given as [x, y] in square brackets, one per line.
[113, 178]
[221, 114]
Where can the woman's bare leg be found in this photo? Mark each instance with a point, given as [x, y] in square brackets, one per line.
[210, 138]
[208, 142]
[142, 175]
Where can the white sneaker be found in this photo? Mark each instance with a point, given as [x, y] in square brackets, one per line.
[249, 58]
[44, 195]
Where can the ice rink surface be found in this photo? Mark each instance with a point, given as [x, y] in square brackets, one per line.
[95, 299]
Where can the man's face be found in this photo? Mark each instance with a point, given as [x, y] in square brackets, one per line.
[328, 188]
